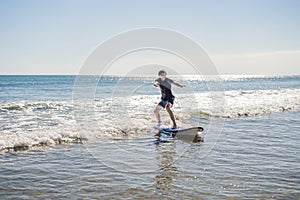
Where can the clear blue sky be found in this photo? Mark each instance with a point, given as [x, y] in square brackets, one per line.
[56, 36]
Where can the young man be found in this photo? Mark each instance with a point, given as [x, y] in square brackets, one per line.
[167, 98]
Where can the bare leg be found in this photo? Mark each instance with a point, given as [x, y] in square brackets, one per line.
[168, 108]
[156, 113]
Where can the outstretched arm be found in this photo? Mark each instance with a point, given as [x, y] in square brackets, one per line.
[178, 84]
[156, 84]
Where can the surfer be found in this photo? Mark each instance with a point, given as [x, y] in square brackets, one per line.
[167, 98]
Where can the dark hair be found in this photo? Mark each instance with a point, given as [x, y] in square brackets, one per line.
[162, 72]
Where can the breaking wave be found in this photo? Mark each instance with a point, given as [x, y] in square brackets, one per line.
[26, 124]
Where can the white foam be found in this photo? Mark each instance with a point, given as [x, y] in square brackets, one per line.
[237, 103]
[46, 123]
[258, 102]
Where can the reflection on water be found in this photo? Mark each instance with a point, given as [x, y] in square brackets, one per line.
[254, 159]
[166, 171]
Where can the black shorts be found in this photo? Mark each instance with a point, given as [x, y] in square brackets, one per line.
[164, 102]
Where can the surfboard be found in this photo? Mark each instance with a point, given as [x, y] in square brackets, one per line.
[192, 134]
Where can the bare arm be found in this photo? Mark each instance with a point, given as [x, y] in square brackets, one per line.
[178, 84]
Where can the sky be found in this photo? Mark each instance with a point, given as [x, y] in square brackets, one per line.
[240, 36]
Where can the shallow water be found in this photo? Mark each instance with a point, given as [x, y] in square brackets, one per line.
[254, 158]
[103, 146]
[47, 110]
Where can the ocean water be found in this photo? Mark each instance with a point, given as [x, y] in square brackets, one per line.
[93, 138]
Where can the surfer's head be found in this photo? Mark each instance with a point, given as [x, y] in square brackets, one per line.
[162, 74]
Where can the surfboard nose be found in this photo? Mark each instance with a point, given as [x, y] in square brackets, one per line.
[200, 129]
